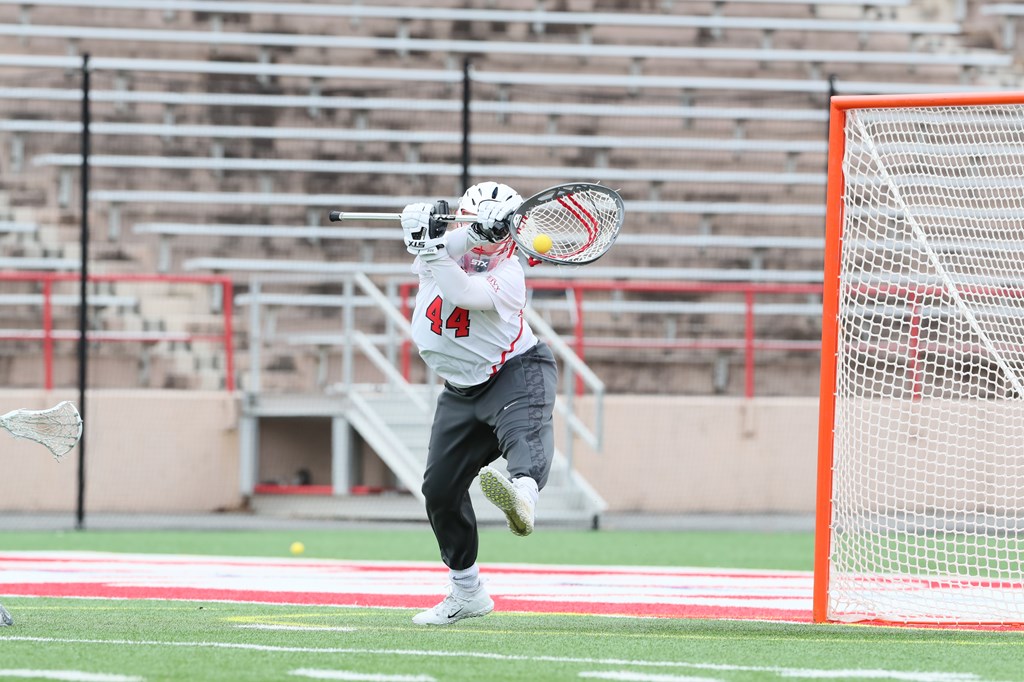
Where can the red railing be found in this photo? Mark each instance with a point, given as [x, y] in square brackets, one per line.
[749, 344]
[48, 335]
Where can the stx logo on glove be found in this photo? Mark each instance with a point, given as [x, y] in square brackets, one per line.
[424, 234]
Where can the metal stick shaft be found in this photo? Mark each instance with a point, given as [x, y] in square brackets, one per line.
[336, 216]
[347, 215]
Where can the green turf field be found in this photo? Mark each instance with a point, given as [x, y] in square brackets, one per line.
[119, 640]
[629, 548]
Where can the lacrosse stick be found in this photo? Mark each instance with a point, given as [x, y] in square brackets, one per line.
[570, 224]
[58, 428]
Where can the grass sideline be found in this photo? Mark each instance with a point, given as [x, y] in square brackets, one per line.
[135, 640]
[779, 551]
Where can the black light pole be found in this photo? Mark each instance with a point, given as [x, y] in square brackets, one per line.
[83, 346]
[465, 124]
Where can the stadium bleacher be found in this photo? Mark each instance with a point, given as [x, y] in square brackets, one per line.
[368, 237]
[7, 226]
[539, 19]
[403, 47]
[38, 263]
[223, 123]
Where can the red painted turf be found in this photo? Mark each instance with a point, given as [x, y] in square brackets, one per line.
[610, 591]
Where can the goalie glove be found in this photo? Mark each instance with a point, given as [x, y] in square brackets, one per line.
[493, 219]
[423, 233]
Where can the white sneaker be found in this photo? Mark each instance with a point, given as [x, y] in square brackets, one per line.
[505, 495]
[5, 618]
[456, 606]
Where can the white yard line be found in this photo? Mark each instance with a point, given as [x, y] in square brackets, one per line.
[295, 628]
[644, 677]
[358, 677]
[785, 673]
[66, 676]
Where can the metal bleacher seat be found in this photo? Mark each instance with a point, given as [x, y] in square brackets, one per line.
[367, 107]
[535, 14]
[790, 150]
[12, 227]
[637, 53]
[272, 265]
[38, 263]
[70, 300]
[538, 19]
[452, 137]
[168, 231]
[1008, 16]
[317, 73]
[812, 5]
[554, 174]
[754, 245]
[319, 103]
[332, 201]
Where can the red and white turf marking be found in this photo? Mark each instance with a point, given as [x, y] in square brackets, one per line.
[597, 590]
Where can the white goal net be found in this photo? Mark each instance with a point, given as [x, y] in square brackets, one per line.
[927, 508]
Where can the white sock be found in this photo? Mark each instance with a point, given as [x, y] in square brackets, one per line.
[527, 486]
[467, 579]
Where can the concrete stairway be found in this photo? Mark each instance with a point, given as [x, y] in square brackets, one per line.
[396, 424]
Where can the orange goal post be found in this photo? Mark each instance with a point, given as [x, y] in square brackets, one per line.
[920, 498]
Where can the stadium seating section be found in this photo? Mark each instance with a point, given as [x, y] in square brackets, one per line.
[223, 133]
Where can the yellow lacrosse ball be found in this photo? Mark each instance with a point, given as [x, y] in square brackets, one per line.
[542, 243]
[298, 548]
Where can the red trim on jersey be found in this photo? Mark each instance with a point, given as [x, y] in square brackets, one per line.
[504, 354]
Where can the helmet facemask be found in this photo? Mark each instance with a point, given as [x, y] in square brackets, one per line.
[485, 256]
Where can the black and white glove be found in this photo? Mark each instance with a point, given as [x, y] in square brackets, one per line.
[423, 233]
[493, 219]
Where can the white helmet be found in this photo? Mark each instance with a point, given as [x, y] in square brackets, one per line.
[485, 256]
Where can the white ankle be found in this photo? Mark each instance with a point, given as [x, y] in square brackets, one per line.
[525, 485]
[465, 580]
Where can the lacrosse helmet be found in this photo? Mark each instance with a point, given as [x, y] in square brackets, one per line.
[487, 255]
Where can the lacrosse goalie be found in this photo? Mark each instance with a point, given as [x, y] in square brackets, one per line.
[500, 383]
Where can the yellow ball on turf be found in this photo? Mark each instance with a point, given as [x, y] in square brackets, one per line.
[298, 548]
[542, 243]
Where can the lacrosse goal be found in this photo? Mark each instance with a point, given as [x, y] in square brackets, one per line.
[920, 500]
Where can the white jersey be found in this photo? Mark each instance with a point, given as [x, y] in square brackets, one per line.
[467, 347]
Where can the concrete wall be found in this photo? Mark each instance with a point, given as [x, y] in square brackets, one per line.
[149, 451]
[177, 451]
[677, 454]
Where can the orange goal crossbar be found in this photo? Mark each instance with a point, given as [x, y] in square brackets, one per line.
[949, 99]
[838, 106]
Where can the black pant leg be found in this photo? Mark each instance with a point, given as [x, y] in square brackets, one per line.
[520, 405]
[459, 446]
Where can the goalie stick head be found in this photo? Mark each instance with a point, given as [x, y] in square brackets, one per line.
[486, 256]
[578, 222]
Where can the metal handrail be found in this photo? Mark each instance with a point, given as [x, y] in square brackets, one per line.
[575, 370]
[393, 376]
